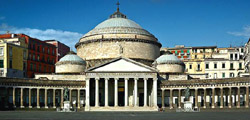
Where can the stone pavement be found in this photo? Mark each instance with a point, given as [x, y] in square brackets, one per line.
[37, 115]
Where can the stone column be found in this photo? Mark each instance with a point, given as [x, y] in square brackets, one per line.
[21, 102]
[87, 94]
[162, 98]
[116, 92]
[230, 97]
[145, 93]
[247, 97]
[179, 98]
[70, 96]
[155, 91]
[126, 91]
[78, 99]
[106, 92]
[46, 98]
[196, 98]
[14, 97]
[238, 102]
[37, 98]
[221, 98]
[171, 99]
[62, 98]
[135, 92]
[213, 97]
[205, 98]
[97, 92]
[54, 98]
[30, 98]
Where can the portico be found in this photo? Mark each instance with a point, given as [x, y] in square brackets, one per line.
[133, 88]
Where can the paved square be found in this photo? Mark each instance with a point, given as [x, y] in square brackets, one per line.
[35, 115]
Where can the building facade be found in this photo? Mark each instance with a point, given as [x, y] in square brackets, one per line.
[41, 57]
[61, 49]
[13, 57]
[38, 56]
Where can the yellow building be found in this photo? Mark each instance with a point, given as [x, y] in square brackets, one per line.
[13, 57]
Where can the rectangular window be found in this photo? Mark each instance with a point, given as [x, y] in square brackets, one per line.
[43, 49]
[236, 57]
[223, 75]
[10, 51]
[45, 69]
[40, 68]
[231, 56]
[190, 66]
[1, 51]
[31, 66]
[198, 67]
[34, 67]
[53, 52]
[240, 65]
[24, 54]
[215, 65]
[231, 66]
[38, 48]
[215, 75]
[207, 66]
[10, 63]
[1, 63]
[231, 74]
[34, 57]
[38, 57]
[223, 65]
[24, 66]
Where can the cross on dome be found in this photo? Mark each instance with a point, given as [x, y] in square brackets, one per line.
[117, 14]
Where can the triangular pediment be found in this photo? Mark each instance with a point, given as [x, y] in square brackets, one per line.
[122, 65]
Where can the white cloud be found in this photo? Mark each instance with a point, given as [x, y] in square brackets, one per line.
[66, 37]
[244, 33]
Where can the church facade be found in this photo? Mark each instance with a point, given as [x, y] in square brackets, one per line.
[118, 67]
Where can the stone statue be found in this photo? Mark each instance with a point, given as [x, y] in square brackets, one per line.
[121, 49]
[187, 94]
[66, 94]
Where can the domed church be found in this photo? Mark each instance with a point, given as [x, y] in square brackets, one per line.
[116, 37]
[118, 67]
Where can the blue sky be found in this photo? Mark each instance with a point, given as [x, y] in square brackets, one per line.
[173, 22]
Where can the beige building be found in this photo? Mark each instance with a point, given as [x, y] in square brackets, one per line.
[225, 63]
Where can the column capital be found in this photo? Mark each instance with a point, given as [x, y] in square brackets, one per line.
[136, 78]
[106, 78]
[116, 78]
[126, 78]
[97, 78]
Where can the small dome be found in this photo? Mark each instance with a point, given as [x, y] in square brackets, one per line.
[72, 57]
[70, 63]
[168, 59]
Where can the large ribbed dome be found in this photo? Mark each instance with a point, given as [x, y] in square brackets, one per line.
[118, 22]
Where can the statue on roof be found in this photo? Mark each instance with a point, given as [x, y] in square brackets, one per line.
[187, 94]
